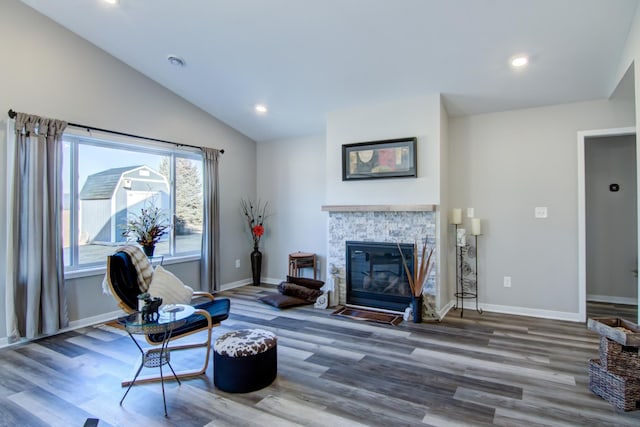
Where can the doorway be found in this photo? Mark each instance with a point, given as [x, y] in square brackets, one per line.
[608, 235]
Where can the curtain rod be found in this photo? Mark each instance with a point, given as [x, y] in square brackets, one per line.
[12, 115]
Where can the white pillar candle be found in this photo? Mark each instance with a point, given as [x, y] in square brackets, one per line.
[475, 227]
[456, 216]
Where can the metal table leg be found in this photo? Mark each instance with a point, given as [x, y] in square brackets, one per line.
[161, 360]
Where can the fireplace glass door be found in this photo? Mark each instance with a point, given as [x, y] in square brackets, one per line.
[376, 276]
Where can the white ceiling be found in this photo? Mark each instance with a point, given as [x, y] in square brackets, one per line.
[304, 58]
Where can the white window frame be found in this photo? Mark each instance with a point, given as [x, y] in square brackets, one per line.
[106, 140]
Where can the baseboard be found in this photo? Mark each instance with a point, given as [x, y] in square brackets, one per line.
[444, 310]
[523, 311]
[245, 282]
[611, 299]
[249, 281]
[88, 321]
[236, 284]
[74, 324]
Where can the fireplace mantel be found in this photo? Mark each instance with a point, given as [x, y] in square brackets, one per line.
[378, 208]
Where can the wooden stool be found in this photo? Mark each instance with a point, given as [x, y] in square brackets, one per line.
[300, 260]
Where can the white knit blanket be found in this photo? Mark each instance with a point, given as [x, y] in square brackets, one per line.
[140, 263]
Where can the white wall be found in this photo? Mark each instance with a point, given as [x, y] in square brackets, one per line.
[419, 117]
[611, 229]
[506, 164]
[291, 179]
[49, 71]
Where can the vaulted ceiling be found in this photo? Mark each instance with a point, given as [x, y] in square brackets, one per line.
[303, 58]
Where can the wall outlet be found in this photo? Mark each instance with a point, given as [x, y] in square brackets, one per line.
[541, 212]
[507, 281]
[469, 212]
[237, 263]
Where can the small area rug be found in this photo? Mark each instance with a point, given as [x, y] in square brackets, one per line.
[368, 315]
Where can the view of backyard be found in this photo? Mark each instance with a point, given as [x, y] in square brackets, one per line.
[111, 185]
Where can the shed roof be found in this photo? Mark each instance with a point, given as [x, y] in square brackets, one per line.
[101, 185]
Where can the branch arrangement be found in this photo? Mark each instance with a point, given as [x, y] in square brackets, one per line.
[255, 216]
[147, 227]
[420, 271]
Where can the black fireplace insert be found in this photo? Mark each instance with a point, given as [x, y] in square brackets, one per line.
[376, 276]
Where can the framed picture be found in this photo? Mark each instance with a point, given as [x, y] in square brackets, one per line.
[392, 158]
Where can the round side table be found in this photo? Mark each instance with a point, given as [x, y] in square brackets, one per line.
[170, 317]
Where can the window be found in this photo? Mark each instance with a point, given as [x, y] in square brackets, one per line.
[105, 182]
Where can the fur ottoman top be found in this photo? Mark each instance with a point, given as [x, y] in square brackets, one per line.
[245, 342]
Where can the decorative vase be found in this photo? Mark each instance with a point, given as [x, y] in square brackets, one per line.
[256, 265]
[416, 307]
[149, 249]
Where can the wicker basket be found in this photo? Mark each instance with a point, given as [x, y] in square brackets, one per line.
[621, 392]
[619, 330]
[619, 359]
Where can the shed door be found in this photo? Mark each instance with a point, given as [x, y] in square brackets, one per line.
[137, 200]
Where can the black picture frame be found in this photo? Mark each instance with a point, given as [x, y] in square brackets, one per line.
[390, 158]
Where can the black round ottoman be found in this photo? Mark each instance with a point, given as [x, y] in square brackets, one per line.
[245, 360]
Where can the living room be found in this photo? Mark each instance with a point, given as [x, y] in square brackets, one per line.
[502, 164]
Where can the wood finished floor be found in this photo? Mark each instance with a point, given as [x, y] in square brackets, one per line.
[485, 369]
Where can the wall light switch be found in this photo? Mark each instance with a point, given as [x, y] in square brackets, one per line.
[469, 212]
[237, 263]
[507, 281]
[541, 212]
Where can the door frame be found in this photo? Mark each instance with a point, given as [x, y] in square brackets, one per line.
[582, 232]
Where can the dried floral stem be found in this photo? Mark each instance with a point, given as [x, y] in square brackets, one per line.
[420, 271]
[147, 227]
[255, 216]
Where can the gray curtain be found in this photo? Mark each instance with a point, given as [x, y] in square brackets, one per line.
[210, 262]
[35, 293]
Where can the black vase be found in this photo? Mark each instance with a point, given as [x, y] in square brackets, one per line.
[148, 250]
[416, 307]
[256, 265]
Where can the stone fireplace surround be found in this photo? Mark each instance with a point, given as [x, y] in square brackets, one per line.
[374, 223]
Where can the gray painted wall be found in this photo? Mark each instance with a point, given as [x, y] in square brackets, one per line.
[611, 243]
[49, 71]
[506, 164]
[445, 261]
[291, 178]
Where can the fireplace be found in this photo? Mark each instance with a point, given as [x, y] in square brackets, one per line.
[375, 274]
[365, 223]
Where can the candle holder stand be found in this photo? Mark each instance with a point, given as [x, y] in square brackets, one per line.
[471, 291]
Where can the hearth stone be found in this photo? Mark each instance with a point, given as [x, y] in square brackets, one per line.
[394, 226]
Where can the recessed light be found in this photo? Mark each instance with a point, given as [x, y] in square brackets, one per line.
[176, 60]
[519, 61]
[111, 1]
[261, 109]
